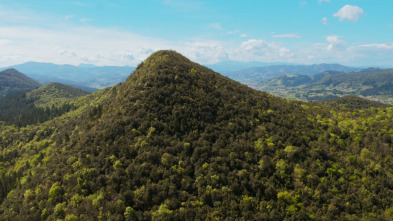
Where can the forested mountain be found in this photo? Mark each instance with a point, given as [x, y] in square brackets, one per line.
[177, 141]
[86, 77]
[39, 105]
[260, 74]
[12, 82]
[372, 83]
[54, 94]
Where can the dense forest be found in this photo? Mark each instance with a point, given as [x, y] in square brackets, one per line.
[177, 141]
[13, 82]
[39, 105]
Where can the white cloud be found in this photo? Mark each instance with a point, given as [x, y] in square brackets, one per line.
[378, 46]
[286, 36]
[243, 36]
[233, 32]
[68, 17]
[75, 45]
[335, 43]
[260, 50]
[320, 1]
[324, 21]
[349, 12]
[207, 52]
[86, 19]
[216, 26]
[4, 42]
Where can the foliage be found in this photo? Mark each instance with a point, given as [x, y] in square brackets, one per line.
[13, 82]
[39, 105]
[178, 141]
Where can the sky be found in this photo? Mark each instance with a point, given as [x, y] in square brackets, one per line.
[125, 32]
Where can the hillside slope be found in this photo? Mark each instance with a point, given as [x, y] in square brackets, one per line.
[39, 105]
[54, 94]
[178, 141]
[352, 102]
[12, 82]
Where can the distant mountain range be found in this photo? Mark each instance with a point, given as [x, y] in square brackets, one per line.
[85, 76]
[226, 67]
[373, 83]
[250, 76]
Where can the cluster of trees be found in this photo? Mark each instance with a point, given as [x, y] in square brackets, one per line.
[178, 141]
[13, 82]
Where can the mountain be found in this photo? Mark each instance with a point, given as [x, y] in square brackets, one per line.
[54, 94]
[259, 74]
[230, 66]
[85, 77]
[12, 82]
[39, 105]
[178, 141]
[372, 83]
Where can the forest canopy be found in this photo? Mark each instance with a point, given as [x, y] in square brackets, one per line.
[178, 141]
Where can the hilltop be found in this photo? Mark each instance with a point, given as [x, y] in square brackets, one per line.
[54, 94]
[178, 141]
[12, 82]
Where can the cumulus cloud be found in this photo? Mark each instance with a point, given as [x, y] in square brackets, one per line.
[260, 50]
[207, 52]
[349, 12]
[287, 36]
[243, 36]
[335, 43]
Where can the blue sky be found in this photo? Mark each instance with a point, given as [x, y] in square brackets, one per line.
[125, 32]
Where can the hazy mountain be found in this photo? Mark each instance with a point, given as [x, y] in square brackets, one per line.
[225, 67]
[86, 77]
[373, 83]
[12, 82]
[259, 74]
[178, 141]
